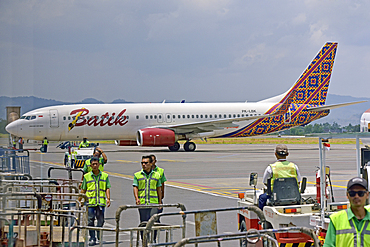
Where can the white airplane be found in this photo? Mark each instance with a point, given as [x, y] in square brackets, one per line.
[164, 124]
[365, 121]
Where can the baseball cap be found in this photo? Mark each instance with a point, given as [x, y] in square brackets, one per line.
[281, 149]
[357, 181]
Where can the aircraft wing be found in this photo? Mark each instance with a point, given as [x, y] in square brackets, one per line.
[210, 125]
[329, 107]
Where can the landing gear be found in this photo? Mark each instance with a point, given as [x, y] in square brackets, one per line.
[175, 147]
[189, 146]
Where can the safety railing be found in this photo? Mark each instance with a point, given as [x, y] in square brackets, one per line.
[156, 227]
[205, 220]
[252, 236]
[50, 210]
[11, 162]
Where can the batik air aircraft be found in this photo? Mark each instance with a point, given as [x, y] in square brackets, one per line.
[164, 124]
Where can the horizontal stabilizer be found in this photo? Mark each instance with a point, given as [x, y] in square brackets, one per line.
[329, 107]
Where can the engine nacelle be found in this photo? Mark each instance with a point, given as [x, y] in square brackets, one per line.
[155, 137]
[126, 142]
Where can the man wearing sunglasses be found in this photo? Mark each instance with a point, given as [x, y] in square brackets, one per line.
[351, 227]
[147, 188]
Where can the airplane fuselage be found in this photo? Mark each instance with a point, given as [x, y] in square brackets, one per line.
[122, 121]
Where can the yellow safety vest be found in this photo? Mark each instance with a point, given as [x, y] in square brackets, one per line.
[101, 166]
[346, 232]
[159, 170]
[147, 187]
[84, 144]
[45, 142]
[282, 169]
[96, 189]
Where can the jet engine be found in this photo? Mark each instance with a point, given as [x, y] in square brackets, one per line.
[155, 137]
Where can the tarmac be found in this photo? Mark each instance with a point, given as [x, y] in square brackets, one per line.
[209, 178]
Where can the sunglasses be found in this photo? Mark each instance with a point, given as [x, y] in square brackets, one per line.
[144, 163]
[360, 193]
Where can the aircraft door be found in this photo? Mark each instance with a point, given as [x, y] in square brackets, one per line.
[287, 117]
[54, 119]
[159, 118]
[168, 117]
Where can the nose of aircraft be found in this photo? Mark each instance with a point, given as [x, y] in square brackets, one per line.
[12, 128]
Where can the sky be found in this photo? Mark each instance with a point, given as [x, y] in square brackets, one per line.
[197, 50]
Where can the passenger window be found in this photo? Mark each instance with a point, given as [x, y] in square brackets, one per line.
[238, 115]
[69, 118]
[205, 116]
[168, 116]
[201, 116]
[151, 117]
[160, 116]
[174, 116]
[225, 116]
[229, 115]
[183, 116]
[234, 115]
[64, 118]
[242, 115]
[188, 116]
[197, 116]
[220, 116]
[146, 117]
[127, 117]
[137, 116]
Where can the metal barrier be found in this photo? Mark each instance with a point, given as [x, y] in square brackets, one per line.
[55, 210]
[205, 219]
[138, 229]
[68, 169]
[11, 162]
[14, 176]
[252, 236]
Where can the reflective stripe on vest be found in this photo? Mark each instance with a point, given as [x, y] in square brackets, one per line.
[96, 189]
[346, 232]
[89, 168]
[283, 169]
[147, 187]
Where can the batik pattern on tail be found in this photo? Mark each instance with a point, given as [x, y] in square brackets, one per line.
[310, 90]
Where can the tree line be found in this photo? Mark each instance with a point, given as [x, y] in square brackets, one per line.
[321, 128]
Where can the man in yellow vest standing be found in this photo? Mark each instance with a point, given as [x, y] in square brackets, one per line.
[45, 144]
[147, 188]
[84, 144]
[350, 227]
[280, 169]
[96, 185]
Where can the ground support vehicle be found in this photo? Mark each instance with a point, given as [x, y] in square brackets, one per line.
[75, 157]
[290, 206]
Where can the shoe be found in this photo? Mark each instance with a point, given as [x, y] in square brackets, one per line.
[92, 242]
[97, 242]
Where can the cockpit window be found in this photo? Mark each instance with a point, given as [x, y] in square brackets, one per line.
[23, 117]
[28, 117]
[33, 117]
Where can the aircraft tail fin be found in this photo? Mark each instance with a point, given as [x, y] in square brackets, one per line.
[312, 86]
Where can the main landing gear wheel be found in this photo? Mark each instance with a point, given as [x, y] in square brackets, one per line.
[189, 146]
[175, 147]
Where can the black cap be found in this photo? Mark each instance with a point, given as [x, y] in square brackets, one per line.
[94, 158]
[357, 181]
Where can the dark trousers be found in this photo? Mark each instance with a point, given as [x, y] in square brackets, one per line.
[145, 214]
[98, 213]
[262, 199]
[45, 148]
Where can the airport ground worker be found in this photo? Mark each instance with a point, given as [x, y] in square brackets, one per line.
[147, 188]
[280, 169]
[45, 144]
[14, 143]
[351, 227]
[84, 144]
[20, 143]
[96, 185]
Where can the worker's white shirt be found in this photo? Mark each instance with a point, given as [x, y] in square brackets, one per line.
[268, 173]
